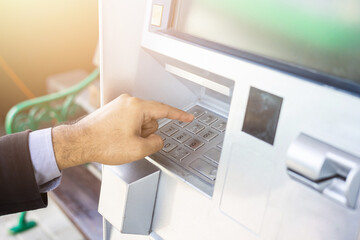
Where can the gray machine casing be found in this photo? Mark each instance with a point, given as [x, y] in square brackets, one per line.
[254, 196]
[134, 198]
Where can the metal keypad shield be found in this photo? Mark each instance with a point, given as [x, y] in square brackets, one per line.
[194, 147]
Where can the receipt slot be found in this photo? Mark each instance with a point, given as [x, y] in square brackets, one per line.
[329, 170]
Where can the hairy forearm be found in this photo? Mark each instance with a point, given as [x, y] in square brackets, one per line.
[69, 148]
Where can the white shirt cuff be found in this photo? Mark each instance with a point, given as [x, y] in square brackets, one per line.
[46, 171]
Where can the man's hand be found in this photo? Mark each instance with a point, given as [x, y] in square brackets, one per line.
[122, 131]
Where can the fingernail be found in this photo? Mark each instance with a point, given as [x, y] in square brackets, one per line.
[191, 117]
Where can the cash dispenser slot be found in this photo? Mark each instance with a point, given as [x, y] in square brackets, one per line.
[325, 168]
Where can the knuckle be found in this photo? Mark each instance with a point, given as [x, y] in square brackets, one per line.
[134, 101]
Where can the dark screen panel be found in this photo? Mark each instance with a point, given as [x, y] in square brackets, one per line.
[262, 115]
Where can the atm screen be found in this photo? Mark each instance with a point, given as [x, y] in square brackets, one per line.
[320, 36]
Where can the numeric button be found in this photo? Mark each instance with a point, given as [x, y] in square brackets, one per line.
[194, 144]
[208, 134]
[213, 154]
[181, 123]
[204, 168]
[180, 153]
[169, 130]
[208, 119]
[162, 136]
[195, 128]
[181, 137]
[219, 125]
[168, 146]
[197, 112]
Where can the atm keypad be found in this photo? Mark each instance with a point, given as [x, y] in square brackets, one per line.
[195, 146]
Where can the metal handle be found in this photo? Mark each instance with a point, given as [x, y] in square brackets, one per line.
[329, 170]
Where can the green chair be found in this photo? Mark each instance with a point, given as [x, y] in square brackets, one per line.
[51, 109]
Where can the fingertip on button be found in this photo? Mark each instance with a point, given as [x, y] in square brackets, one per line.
[191, 117]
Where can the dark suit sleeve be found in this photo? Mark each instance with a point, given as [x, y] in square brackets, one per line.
[18, 188]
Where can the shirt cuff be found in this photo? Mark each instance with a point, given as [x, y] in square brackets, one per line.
[46, 171]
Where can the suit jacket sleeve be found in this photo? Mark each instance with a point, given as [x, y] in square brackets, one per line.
[18, 187]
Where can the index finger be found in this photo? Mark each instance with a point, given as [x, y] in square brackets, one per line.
[157, 110]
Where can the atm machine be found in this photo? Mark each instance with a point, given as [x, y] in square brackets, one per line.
[274, 150]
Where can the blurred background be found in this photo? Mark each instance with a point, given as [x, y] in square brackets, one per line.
[43, 43]
[40, 38]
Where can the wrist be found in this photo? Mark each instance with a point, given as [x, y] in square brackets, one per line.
[67, 144]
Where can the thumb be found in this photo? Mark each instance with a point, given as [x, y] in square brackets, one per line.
[151, 144]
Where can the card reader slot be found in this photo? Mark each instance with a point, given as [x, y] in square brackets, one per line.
[325, 168]
[225, 90]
